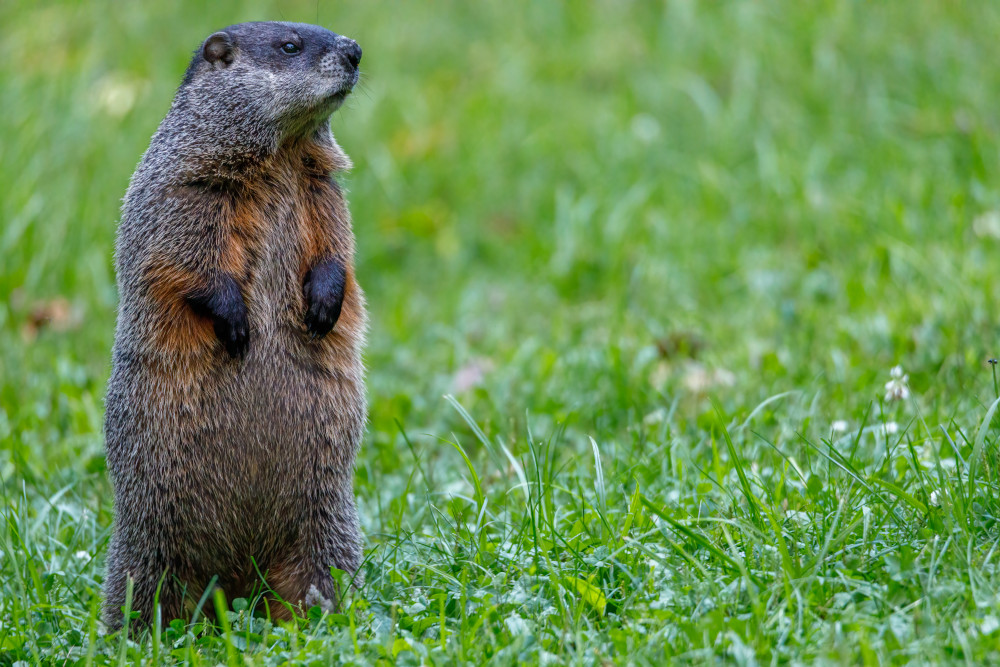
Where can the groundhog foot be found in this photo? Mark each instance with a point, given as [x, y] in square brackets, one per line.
[324, 292]
[316, 599]
[222, 301]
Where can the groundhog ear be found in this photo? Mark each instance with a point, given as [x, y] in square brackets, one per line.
[218, 48]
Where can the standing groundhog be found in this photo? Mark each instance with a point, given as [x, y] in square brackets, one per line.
[236, 402]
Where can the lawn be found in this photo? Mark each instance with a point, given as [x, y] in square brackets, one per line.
[639, 274]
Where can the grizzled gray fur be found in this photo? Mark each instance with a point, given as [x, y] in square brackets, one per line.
[236, 403]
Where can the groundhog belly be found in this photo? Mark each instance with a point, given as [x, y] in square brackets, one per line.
[295, 409]
[240, 444]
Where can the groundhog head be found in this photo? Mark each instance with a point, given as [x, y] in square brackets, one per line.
[286, 75]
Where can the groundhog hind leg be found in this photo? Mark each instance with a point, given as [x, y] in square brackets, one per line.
[115, 587]
[330, 538]
[152, 584]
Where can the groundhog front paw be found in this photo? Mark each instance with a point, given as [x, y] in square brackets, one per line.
[324, 292]
[222, 302]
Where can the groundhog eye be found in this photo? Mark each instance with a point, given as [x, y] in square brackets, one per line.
[290, 48]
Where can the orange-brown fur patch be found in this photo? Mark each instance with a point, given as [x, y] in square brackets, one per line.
[244, 228]
[323, 226]
[351, 318]
[180, 330]
[324, 229]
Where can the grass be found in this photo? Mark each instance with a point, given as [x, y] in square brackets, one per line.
[638, 274]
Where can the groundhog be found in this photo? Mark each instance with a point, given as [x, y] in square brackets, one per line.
[236, 403]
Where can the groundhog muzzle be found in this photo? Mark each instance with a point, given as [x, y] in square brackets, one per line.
[236, 403]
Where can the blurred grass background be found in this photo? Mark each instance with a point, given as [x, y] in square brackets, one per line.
[581, 219]
[793, 186]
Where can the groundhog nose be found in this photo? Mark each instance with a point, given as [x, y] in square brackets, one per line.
[352, 52]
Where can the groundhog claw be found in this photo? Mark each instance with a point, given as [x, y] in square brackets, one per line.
[234, 334]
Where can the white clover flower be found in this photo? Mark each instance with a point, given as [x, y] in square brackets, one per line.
[987, 225]
[935, 498]
[645, 128]
[839, 426]
[896, 389]
[82, 555]
[890, 428]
